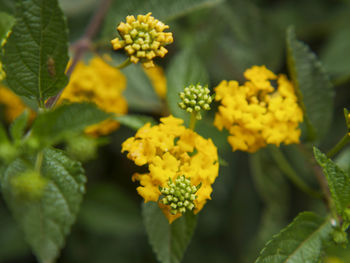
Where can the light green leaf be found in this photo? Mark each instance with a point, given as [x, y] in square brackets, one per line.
[313, 87]
[162, 10]
[169, 241]
[47, 221]
[6, 22]
[185, 69]
[338, 181]
[300, 241]
[18, 126]
[52, 126]
[36, 53]
[134, 122]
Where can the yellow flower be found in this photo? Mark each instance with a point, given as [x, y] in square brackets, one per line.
[256, 113]
[176, 157]
[101, 84]
[13, 104]
[158, 80]
[143, 39]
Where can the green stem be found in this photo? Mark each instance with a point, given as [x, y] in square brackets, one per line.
[288, 170]
[193, 120]
[39, 161]
[339, 145]
[126, 63]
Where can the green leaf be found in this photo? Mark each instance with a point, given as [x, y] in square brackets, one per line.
[185, 69]
[338, 181]
[36, 53]
[6, 22]
[52, 126]
[134, 122]
[47, 221]
[313, 87]
[139, 92]
[18, 126]
[274, 191]
[162, 10]
[300, 241]
[169, 241]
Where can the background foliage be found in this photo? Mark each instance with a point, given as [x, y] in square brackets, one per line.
[252, 200]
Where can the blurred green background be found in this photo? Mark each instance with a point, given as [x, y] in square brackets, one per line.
[213, 40]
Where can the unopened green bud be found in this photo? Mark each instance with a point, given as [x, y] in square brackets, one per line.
[179, 195]
[195, 98]
[28, 185]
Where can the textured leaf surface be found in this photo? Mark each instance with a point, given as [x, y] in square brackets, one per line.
[162, 10]
[301, 241]
[36, 52]
[134, 122]
[185, 69]
[47, 221]
[169, 241]
[53, 126]
[338, 180]
[314, 89]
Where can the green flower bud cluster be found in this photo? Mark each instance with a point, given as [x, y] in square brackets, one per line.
[180, 195]
[29, 185]
[195, 98]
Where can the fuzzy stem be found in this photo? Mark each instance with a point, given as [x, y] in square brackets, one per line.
[124, 64]
[339, 145]
[193, 120]
[288, 170]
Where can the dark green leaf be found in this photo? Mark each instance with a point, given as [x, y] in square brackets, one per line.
[169, 241]
[338, 181]
[18, 126]
[300, 241]
[185, 69]
[6, 22]
[47, 221]
[36, 52]
[273, 189]
[162, 10]
[52, 126]
[313, 87]
[134, 122]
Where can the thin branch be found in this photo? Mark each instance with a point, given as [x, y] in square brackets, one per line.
[83, 44]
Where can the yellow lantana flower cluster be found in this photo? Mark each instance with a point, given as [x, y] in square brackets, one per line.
[101, 84]
[172, 151]
[256, 113]
[13, 105]
[143, 39]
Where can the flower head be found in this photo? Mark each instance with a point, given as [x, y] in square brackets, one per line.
[195, 98]
[182, 166]
[101, 84]
[256, 113]
[143, 38]
[14, 106]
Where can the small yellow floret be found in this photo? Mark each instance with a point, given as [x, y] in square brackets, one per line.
[256, 113]
[171, 151]
[143, 39]
[101, 84]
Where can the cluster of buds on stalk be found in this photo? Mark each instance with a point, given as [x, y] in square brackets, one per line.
[179, 195]
[195, 98]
